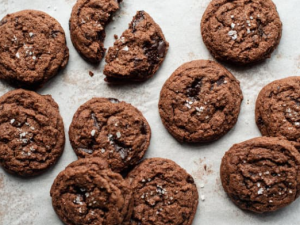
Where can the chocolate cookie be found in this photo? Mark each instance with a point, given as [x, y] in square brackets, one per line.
[163, 193]
[87, 26]
[115, 131]
[241, 31]
[277, 109]
[87, 192]
[32, 48]
[139, 52]
[32, 134]
[261, 174]
[200, 102]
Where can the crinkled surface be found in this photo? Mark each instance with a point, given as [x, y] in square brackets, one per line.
[32, 48]
[115, 131]
[32, 134]
[241, 31]
[200, 102]
[138, 53]
[87, 192]
[278, 108]
[163, 193]
[261, 174]
[87, 26]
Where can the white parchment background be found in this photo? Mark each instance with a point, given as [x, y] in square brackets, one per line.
[28, 202]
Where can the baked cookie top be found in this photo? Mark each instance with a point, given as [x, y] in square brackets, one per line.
[278, 107]
[241, 31]
[32, 134]
[87, 192]
[200, 102]
[87, 26]
[113, 130]
[261, 174]
[32, 48]
[163, 193]
[138, 53]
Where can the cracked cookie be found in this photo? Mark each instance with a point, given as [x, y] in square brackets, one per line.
[87, 26]
[241, 31]
[112, 130]
[32, 48]
[200, 102]
[163, 193]
[261, 174]
[88, 192]
[32, 134]
[277, 109]
[138, 53]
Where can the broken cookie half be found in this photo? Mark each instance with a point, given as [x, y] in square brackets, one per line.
[87, 26]
[138, 53]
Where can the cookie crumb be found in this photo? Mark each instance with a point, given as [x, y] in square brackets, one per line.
[116, 37]
[91, 73]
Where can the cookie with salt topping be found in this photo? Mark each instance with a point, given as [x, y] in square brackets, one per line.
[112, 130]
[32, 48]
[200, 102]
[32, 134]
[241, 31]
[277, 110]
[88, 192]
[163, 193]
[261, 174]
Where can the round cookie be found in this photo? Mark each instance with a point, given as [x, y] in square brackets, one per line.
[261, 174]
[163, 193]
[32, 48]
[88, 192]
[241, 31]
[87, 26]
[200, 102]
[138, 53]
[112, 130]
[277, 109]
[32, 134]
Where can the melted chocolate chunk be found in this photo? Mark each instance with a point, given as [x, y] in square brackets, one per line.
[143, 129]
[96, 123]
[161, 48]
[138, 18]
[195, 88]
[220, 81]
[155, 50]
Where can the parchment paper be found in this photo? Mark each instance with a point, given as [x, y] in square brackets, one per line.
[27, 201]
